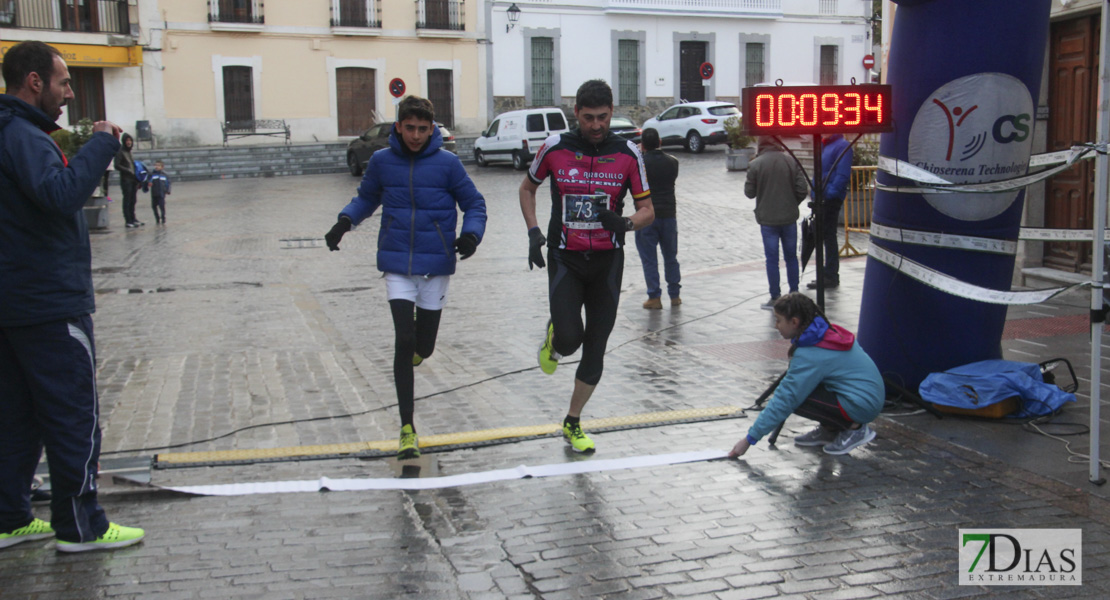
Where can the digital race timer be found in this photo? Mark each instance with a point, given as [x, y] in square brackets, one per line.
[805, 110]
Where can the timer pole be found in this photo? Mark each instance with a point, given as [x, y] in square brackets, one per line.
[819, 220]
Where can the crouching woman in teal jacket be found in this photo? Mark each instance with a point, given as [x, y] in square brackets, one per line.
[420, 188]
[830, 380]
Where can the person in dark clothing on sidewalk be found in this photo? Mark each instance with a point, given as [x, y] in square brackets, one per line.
[159, 188]
[48, 392]
[776, 182]
[662, 170]
[128, 182]
[837, 179]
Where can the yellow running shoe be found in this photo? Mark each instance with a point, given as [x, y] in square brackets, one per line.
[417, 359]
[549, 359]
[577, 438]
[37, 529]
[117, 536]
[410, 446]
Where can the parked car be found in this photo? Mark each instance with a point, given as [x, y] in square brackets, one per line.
[377, 137]
[517, 135]
[624, 127]
[693, 124]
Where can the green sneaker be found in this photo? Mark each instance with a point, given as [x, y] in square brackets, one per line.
[577, 438]
[117, 536]
[548, 360]
[410, 446]
[37, 529]
[417, 359]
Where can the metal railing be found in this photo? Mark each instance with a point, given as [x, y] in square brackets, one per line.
[858, 206]
[236, 11]
[440, 14]
[827, 7]
[356, 13]
[773, 6]
[94, 16]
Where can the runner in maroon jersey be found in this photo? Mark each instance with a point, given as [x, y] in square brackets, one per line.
[591, 171]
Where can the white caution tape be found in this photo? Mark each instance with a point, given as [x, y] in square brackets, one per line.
[523, 471]
[933, 184]
[943, 240]
[981, 244]
[1060, 235]
[955, 287]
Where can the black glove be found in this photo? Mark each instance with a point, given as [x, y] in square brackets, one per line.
[536, 242]
[611, 221]
[465, 245]
[332, 237]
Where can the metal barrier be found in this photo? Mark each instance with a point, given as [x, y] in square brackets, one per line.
[857, 207]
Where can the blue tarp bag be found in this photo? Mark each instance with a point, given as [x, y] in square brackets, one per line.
[987, 382]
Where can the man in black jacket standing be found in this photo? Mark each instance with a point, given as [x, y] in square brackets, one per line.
[48, 390]
[662, 170]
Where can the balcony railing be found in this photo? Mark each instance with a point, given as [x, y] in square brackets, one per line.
[440, 14]
[762, 8]
[236, 11]
[87, 16]
[356, 13]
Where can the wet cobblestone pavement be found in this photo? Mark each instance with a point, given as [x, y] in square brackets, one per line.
[234, 315]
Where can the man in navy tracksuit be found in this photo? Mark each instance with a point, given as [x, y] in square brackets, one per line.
[47, 356]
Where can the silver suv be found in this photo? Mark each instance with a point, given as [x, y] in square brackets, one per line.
[693, 124]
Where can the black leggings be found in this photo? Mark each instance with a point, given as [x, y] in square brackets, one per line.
[412, 337]
[824, 407]
[591, 280]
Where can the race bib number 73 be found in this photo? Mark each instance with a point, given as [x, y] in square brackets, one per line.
[580, 211]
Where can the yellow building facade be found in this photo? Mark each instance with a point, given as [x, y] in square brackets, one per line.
[324, 67]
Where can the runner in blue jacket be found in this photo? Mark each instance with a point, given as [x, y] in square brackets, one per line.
[420, 188]
[47, 354]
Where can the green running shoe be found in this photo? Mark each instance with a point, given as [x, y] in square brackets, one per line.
[410, 446]
[548, 360]
[37, 529]
[417, 359]
[117, 536]
[577, 438]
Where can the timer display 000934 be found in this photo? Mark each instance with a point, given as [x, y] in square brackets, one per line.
[804, 110]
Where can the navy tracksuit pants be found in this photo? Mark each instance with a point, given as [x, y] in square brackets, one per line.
[48, 398]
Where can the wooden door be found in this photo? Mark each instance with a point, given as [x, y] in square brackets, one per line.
[355, 93]
[1069, 196]
[691, 56]
[441, 93]
[88, 94]
[238, 94]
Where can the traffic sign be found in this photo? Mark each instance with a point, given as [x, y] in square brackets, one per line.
[706, 70]
[869, 61]
[397, 87]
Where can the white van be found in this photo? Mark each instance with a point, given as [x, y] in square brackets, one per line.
[517, 135]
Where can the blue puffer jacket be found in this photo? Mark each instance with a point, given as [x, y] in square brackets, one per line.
[45, 260]
[836, 183]
[418, 193]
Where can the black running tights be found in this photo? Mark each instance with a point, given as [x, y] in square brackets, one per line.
[412, 337]
[576, 281]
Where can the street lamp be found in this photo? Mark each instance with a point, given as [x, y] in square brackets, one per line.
[514, 16]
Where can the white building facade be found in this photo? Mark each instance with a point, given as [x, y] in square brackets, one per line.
[652, 52]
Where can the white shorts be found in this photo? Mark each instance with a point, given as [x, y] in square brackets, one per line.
[429, 293]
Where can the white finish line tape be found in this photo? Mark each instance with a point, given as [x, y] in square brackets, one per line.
[955, 287]
[523, 471]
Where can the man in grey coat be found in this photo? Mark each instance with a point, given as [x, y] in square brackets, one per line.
[776, 182]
